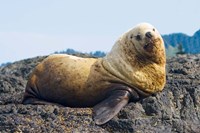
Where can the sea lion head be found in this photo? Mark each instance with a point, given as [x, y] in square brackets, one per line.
[146, 42]
[140, 47]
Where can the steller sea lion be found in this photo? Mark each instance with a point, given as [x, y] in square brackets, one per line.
[133, 69]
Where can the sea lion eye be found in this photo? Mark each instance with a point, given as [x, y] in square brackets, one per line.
[131, 36]
[138, 37]
[154, 29]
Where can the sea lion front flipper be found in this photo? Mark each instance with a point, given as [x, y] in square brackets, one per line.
[108, 108]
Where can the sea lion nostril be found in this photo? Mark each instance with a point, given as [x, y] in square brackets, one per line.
[149, 35]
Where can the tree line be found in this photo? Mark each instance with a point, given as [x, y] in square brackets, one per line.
[74, 52]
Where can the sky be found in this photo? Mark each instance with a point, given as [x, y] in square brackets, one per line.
[30, 28]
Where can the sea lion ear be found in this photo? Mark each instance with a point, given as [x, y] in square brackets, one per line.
[107, 109]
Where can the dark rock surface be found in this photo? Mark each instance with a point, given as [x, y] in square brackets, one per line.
[176, 109]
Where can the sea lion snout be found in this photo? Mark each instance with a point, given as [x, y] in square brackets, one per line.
[151, 42]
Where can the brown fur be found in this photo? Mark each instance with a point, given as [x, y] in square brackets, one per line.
[83, 82]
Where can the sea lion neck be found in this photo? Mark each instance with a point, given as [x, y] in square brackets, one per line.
[117, 64]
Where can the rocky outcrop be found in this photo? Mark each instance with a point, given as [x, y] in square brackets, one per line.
[176, 109]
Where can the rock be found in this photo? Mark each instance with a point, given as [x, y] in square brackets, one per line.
[176, 109]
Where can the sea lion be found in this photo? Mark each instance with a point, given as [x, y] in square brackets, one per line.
[132, 70]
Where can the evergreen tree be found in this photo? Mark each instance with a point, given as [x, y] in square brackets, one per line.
[180, 49]
[98, 54]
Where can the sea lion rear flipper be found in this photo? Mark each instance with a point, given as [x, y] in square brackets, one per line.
[36, 101]
[107, 109]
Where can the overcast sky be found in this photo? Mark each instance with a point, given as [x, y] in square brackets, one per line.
[30, 28]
